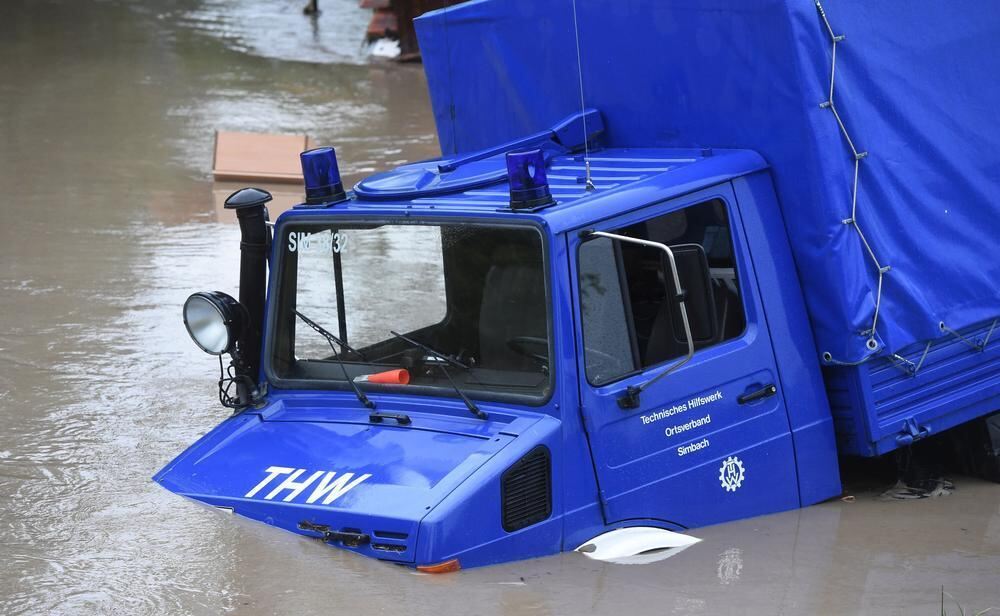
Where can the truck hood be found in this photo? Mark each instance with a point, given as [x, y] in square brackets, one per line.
[334, 474]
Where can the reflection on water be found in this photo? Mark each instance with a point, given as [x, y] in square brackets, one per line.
[107, 111]
[278, 29]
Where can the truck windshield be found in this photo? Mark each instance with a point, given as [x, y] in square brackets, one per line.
[475, 293]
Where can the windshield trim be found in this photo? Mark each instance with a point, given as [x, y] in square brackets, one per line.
[276, 263]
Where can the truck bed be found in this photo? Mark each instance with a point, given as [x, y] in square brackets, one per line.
[923, 390]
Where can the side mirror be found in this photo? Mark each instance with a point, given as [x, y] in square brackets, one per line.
[699, 298]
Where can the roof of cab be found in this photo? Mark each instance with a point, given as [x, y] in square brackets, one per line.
[624, 179]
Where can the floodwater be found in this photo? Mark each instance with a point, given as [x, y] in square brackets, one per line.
[110, 219]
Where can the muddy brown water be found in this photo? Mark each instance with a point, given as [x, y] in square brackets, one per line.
[110, 220]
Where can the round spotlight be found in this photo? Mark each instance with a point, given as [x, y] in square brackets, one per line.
[214, 321]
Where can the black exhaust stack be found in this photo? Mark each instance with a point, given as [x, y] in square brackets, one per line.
[255, 242]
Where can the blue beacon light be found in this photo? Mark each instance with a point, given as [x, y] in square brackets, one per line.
[322, 176]
[529, 186]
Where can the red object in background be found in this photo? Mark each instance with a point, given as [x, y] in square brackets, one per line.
[382, 25]
[394, 19]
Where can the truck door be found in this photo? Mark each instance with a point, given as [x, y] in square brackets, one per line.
[710, 441]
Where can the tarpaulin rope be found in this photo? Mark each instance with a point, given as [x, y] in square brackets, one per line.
[911, 368]
[858, 156]
[975, 346]
[908, 366]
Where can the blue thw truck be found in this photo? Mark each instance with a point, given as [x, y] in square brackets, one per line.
[675, 261]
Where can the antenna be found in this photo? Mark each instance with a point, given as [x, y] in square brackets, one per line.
[583, 107]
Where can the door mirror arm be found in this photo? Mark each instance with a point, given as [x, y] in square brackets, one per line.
[630, 398]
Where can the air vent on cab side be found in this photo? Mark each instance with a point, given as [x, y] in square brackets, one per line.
[526, 490]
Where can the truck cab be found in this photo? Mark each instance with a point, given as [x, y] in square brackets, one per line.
[506, 354]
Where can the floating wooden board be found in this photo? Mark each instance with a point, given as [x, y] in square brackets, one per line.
[243, 157]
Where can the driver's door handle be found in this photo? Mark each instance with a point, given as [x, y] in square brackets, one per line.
[764, 392]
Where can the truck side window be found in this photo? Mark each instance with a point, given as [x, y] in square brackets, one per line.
[628, 322]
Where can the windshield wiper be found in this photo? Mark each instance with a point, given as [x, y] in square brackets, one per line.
[331, 339]
[475, 410]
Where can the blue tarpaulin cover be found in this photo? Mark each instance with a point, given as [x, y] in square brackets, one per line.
[917, 88]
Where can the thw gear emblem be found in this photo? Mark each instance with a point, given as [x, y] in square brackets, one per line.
[731, 474]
